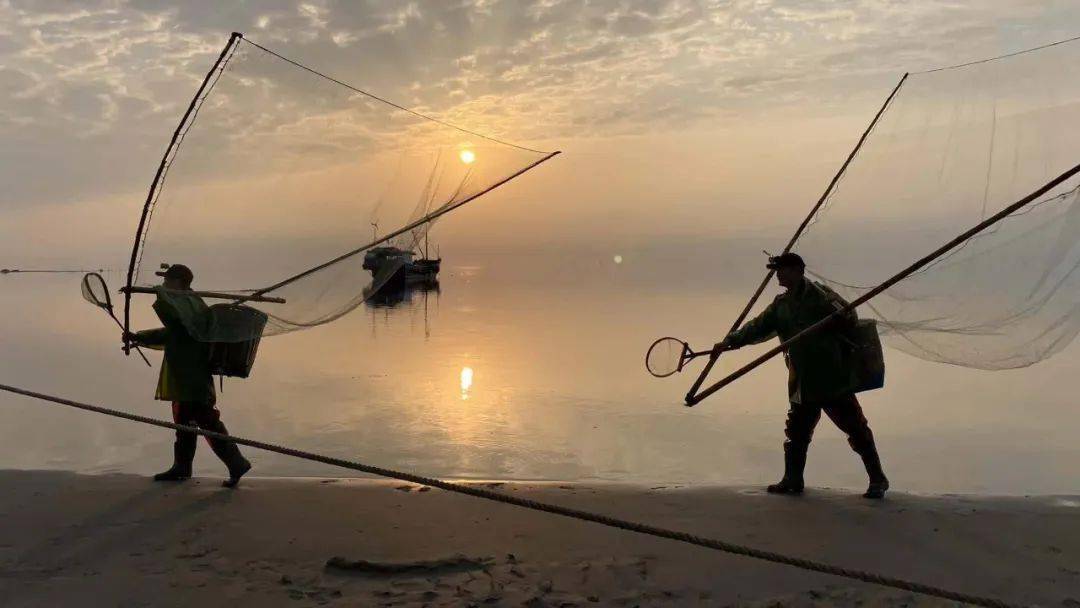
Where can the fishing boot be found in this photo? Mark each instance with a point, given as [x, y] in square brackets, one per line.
[879, 484]
[794, 463]
[236, 472]
[229, 453]
[183, 455]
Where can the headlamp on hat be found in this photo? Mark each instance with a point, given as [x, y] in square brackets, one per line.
[176, 271]
[786, 260]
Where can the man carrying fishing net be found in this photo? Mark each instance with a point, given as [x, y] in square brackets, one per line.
[185, 378]
[819, 372]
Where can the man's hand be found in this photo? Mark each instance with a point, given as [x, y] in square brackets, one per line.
[130, 338]
[721, 346]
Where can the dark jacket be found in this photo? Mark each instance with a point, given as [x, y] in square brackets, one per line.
[185, 371]
[819, 367]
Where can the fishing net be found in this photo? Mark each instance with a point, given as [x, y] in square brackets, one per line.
[665, 357]
[955, 146]
[95, 291]
[289, 184]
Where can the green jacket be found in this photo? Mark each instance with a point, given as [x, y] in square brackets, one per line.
[818, 366]
[185, 371]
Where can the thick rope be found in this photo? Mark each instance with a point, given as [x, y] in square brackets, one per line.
[622, 524]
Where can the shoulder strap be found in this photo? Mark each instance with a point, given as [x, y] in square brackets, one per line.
[829, 293]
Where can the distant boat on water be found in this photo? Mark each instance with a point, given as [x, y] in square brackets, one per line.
[395, 263]
[402, 263]
[424, 270]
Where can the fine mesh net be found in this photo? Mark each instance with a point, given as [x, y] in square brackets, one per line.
[412, 240]
[665, 357]
[95, 291]
[954, 147]
[283, 177]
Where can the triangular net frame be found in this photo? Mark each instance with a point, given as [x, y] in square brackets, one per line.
[96, 291]
[280, 179]
[950, 148]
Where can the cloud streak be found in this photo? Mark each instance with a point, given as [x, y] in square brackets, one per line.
[92, 90]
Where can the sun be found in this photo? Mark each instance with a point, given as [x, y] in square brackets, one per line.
[467, 156]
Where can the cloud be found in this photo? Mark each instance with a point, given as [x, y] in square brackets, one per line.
[99, 85]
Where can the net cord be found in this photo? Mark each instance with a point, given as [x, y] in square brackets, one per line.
[900, 276]
[50, 271]
[390, 103]
[999, 57]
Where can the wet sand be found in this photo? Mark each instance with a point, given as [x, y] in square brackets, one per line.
[120, 540]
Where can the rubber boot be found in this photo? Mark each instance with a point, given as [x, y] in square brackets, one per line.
[794, 463]
[236, 472]
[183, 456]
[879, 484]
[229, 453]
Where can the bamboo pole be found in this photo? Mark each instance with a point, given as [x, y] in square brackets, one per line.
[143, 218]
[900, 276]
[218, 295]
[691, 394]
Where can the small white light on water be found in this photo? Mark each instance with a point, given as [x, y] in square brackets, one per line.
[618, 259]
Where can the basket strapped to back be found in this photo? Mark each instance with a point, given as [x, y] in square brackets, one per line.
[863, 346]
[235, 358]
[867, 360]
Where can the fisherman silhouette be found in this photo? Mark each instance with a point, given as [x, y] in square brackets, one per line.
[819, 372]
[185, 378]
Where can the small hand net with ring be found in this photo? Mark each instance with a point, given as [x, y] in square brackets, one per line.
[666, 356]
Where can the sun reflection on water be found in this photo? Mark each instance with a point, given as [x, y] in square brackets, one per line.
[466, 382]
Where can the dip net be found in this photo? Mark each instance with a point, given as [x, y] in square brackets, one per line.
[953, 147]
[282, 180]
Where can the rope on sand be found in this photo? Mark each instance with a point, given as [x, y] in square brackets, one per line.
[719, 545]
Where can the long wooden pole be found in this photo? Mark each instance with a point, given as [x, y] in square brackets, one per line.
[218, 295]
[692, 393]
[157, 181]
[900, 276]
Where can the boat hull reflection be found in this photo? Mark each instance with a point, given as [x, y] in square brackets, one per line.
[398, 293]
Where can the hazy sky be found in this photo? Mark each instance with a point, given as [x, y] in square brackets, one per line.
[665, 109]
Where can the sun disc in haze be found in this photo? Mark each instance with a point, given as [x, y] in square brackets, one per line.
[467, 156]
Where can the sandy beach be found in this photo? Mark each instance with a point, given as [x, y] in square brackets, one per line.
[120, 540]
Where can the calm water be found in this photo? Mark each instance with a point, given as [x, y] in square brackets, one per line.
[528, 367]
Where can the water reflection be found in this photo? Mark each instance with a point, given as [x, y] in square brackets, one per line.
[392, 295]
[466, 382]
[563, 392]
[395, 299]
